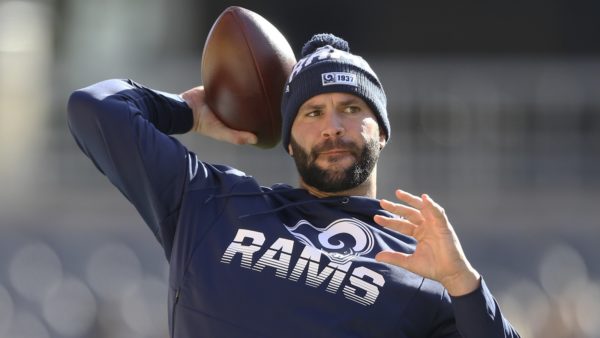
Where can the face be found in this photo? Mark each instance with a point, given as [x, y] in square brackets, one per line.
[335, 142]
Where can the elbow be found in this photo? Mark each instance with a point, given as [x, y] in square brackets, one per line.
[79, 101]
[85, 104]
[81, 107]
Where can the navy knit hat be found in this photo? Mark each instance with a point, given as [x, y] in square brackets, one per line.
[327, 66]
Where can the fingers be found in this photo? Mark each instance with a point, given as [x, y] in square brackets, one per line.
[241, 137]
[419, 215]
[396, 258]
[400, 225]
[407, 212]
[417, 209]
[223, 133]
[207, 123]
[410, 199]
[211, 126]
[432, 209]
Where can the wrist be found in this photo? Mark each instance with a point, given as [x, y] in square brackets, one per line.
[462, 283]
[193, 98]
[195, 115]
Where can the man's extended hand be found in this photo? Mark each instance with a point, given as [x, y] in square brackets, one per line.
[207, 123]
[438, 254]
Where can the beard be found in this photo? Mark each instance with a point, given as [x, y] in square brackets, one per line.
[336, 179]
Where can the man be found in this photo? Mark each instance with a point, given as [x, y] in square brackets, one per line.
[323, 260]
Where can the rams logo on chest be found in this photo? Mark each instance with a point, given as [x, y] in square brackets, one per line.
[341, 242]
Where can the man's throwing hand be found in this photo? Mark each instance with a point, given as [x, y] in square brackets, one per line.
[207, 123]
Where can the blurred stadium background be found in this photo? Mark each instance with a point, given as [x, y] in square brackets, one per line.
[495, 112]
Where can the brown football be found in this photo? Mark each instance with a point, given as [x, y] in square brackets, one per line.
[245, 64]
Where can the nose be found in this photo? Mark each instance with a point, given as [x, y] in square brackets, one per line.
[332, 126]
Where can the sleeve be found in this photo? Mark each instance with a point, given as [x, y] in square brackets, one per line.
[477, 314]
[124, 129]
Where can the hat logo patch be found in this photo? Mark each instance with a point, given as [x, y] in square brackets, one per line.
[338, 78]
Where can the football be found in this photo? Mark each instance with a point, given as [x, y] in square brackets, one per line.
[245, 64]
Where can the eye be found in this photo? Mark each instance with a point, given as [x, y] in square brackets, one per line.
[313, 113]
[352, 109]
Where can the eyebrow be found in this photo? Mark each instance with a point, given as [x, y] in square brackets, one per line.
[312, 106]
[349, 101]
[343, 103]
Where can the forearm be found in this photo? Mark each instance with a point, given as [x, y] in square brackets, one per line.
[477, 314]
[169, 113]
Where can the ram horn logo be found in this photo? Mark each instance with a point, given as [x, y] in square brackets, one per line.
[342, 240]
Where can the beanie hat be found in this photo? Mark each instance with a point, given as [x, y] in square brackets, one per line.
[327, 66]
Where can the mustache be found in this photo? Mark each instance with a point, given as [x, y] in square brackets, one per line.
[337, 143]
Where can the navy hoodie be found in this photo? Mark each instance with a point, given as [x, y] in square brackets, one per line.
[253, 261]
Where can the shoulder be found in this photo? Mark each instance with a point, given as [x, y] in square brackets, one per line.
[206, 175]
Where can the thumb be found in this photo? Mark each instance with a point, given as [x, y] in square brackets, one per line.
[395, 258]
[239, 137]
[208, 124]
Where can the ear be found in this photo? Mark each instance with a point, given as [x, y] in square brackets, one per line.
[290, 151]
[382, 141]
